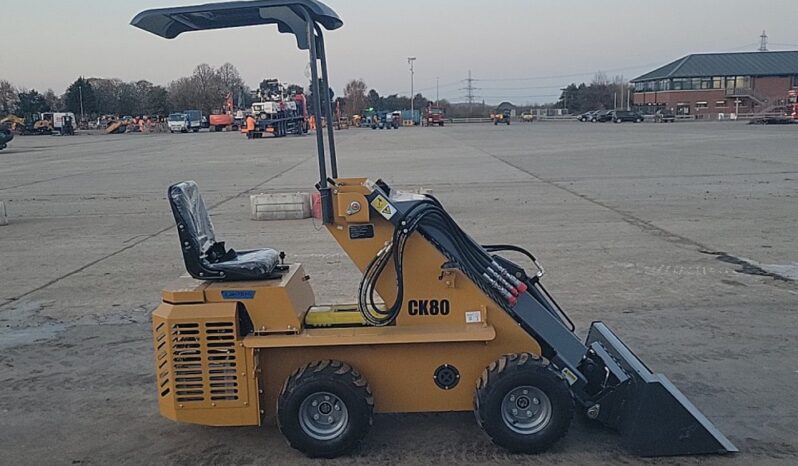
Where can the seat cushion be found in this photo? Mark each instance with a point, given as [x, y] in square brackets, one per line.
[257, 264]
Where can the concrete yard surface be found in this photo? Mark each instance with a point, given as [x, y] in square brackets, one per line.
[682, 237]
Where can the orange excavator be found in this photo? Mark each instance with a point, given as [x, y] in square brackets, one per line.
[225, 120]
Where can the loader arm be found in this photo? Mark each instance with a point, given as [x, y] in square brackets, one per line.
[609, 381]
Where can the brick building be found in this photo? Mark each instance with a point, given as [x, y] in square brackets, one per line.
[712, 84]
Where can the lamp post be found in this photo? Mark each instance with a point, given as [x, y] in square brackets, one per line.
[411, 62]
[82, 113]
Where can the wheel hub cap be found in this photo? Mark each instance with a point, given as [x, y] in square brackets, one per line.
[526, 410]
[323, 416]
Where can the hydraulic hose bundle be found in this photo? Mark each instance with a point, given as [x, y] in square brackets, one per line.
[468, 256]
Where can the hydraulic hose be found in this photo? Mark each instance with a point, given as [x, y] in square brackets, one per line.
[470, 257]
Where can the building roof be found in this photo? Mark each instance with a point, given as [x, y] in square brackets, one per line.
[506, 104]
[727, 64]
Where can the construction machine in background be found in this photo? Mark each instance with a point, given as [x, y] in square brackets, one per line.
[62, 123]
[6, 135]
[503, 117]
[441, 323]
[278, 113]
[434, 116]
[34, 124]
[792, 104]
[224, 121]
[13, 123]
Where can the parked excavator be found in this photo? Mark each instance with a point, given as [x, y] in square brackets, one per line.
[442, 322]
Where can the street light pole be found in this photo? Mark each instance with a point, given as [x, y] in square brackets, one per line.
[82, 113]
[411, 61]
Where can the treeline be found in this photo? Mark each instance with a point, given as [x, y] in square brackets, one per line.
[206, 89]
[358, 98]
[600, 94]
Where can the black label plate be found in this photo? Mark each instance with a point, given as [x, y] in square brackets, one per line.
[361, 231]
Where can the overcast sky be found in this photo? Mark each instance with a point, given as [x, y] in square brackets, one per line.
[520, 50]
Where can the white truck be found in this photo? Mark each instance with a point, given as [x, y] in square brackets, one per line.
[177, 122]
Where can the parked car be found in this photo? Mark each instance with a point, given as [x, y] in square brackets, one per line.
[587, 116]
[619, 116]
[601, 116]
[664, 116]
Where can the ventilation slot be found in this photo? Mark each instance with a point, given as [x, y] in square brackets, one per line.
[222, 371]
[162, 359]
[187, 362]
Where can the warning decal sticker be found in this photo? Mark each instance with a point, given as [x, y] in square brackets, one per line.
[384, 207]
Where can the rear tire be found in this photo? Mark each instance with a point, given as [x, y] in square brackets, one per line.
[523, 404]
[330, 389]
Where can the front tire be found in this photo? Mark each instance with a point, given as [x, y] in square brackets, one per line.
[523, 404]
[325, 409]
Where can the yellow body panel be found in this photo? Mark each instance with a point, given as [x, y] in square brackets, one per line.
[278, 305]
[185, 290]
[399, 361]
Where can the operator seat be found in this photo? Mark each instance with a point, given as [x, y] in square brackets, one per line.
[207, 259]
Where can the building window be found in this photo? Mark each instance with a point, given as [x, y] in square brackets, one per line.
[720, 104]
[743, 82]
[701, 105]
[795, 81]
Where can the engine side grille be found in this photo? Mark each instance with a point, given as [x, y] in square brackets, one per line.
[206, 364]
[222, 361]
[163, 370]
[187, 361]
[204, 372]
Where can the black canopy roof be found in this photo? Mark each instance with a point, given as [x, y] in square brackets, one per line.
[286, 14]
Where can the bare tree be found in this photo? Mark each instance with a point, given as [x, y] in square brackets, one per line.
[600, 79]
[210, 92]
[355, 95]
[229, 77]
[182, 94]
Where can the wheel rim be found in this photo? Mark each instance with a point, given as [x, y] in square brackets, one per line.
[526, 410]
[323, 416]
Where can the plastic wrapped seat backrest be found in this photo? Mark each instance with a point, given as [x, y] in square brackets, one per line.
[191, 216]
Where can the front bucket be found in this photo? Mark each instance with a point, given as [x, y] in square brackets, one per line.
[653, 416]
